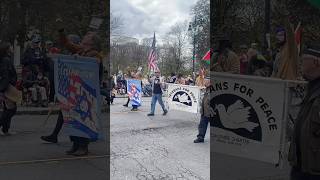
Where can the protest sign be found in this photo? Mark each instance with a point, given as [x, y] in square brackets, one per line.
[183, 98]
[134, 90]
[250, 116]
[78, 92]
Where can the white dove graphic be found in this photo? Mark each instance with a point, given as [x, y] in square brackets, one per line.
[183, 98]
[236, 116]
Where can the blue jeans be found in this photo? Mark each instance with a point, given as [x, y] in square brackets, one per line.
[203, 127]
[155, 98]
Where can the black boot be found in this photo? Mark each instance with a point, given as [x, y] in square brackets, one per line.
[82, 151]
[51, 139]
[199, 140]
[73, 149]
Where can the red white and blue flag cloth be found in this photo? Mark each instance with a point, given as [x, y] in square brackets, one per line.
[134, 90]
[78, 92]
[152, 59]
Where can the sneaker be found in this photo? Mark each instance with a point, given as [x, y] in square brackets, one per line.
[165, 112]
[199, 140]
[6, 134]
[50, 139]
[125, 105]
[134, 109]
[72, 150]
[150, 114]
[81, 152]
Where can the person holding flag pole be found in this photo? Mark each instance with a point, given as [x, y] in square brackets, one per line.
[156, 82]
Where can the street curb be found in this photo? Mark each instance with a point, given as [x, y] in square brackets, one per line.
[45, 111]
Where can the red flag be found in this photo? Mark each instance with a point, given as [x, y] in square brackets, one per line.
[207, 57]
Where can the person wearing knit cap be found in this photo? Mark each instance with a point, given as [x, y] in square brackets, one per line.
[286, 60]
[304, 151]
[281, 40]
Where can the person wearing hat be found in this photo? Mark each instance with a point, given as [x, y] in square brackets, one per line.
[35, 56]
[227, 60]
[286, 62]
[8, 77]
[281, 41]
[304, 150]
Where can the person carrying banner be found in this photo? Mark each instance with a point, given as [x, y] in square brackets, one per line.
[89, 47]
[206, 114]
[8, 77]
[157, 90]
[304, 151]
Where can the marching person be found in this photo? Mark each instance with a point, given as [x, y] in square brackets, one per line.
[157, 90]
[206, 113]
[8, 77]
[89, 47]
[304, 151]
[133, 75]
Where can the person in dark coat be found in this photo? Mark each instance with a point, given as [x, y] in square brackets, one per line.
[304, 150]
[8, 76]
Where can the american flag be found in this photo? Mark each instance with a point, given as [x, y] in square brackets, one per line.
[152, 56]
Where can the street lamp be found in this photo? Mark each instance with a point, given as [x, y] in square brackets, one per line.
[194, 28]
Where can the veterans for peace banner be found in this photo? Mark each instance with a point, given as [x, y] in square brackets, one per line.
[134, 90]
[78, 92]
[250, 116]
[183, 97]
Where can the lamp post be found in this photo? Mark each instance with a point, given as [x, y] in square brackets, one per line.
[193, 28]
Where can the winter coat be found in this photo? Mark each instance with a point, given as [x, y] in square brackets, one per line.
[304, 151]
[8, 74]
[228, 62]
[205, 108]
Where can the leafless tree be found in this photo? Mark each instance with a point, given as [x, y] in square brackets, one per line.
[116, 24]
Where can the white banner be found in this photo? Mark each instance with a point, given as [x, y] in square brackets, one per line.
[250, 116]
[183, 98]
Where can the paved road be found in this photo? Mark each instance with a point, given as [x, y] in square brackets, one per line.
[19, 154]
[160, 147]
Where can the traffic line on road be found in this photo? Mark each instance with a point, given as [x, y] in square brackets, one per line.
[51, 160]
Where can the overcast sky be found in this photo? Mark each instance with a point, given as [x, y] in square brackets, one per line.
[143, 17]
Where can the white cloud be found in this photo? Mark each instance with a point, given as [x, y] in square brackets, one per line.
[143, 17]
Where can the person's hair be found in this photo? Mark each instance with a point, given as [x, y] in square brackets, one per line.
[4, 48]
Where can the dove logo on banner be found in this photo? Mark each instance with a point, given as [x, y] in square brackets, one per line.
[183, 98]
[248, 120]
[237, 115]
